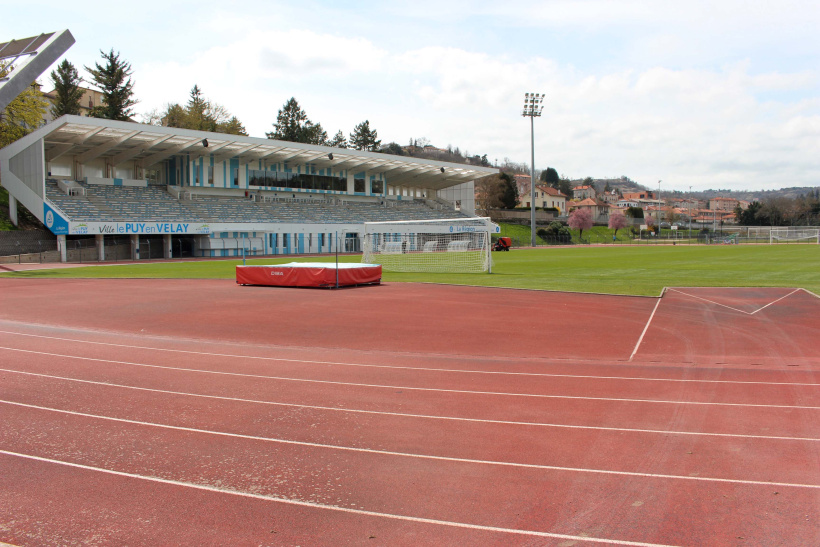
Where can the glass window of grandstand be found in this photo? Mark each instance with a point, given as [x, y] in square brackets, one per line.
[236, 177]
[210, 175]
[296, 181]
[152, 176]
[358, 186]
[377, 187]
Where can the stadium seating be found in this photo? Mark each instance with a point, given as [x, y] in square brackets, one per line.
[153, 203]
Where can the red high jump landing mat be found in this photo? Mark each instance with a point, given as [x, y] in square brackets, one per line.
[310, 274]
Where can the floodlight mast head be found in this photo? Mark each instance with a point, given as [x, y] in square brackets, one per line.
[533, 105]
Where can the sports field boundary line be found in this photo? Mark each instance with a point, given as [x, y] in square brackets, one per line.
[313, 505]
[794, 290]
[525, 289]
[411, 415]
[408, 354]
[411, 368]
[393, 453]
[408, 388]
[462, 392]
[646, 327]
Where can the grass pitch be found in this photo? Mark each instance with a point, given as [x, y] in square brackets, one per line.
[631, 270]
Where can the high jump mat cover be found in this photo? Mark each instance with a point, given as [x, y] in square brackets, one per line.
[309, 274]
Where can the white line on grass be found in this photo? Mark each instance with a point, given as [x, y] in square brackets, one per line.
[422, 369]
[331, 507]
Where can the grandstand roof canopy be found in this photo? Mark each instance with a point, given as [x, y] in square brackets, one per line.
[91, 138]
[28, 58]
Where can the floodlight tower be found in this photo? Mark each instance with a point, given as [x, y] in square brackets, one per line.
[533, 105]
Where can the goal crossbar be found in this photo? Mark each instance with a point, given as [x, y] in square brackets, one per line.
[794, 235]
[460, 245]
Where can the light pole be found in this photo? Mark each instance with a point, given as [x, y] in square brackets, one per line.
[690, 214]
[533, 105]
[660, 209]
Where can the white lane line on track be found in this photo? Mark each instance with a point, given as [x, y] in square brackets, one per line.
[424, 369]
[424, 456]
[409, 415]
[774, 302]
[332, 507]
[730, 307]
[646, 327]
[408, 388]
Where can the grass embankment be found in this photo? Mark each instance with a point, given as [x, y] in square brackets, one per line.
[635, 270]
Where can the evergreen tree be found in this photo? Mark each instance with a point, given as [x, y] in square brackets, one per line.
[67, 87]
[197, 112]
[509, 191]
[201, 114]
[364, 138]
[550, 176]
[23, 115]
[114, 80]
[232, 127]
[339, 140]
[292, 124]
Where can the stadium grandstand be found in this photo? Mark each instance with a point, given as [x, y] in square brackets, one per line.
[214, 194]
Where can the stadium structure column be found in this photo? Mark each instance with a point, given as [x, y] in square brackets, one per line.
[166, 246]
[13, 209]
[135, 247]
[62, 248]
[100, 241]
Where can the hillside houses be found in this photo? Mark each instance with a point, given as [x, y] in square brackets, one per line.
[602, 205]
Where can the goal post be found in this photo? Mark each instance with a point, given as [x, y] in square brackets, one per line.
[794, 235]
[456, 245]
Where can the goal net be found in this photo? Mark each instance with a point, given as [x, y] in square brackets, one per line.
[445, 245]
[794, 235]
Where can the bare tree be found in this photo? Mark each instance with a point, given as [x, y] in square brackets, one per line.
[488, 194]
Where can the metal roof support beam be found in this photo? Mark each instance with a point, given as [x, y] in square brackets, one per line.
[228, 154]
[165, 154]
[308, 159]
[58, 151]
[210, 150]
[80, 139]
[126, 155]
[98, 151]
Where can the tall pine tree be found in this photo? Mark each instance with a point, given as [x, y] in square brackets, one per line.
[292, 124]
[67, 88]
[364, 138]
[113, 78]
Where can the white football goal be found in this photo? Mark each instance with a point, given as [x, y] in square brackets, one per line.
[794, 235]
[443, 245]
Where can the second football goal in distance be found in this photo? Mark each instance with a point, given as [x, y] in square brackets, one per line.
[460, 245]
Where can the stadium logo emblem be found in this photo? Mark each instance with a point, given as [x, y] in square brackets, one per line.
[451, 228]
[49, 219]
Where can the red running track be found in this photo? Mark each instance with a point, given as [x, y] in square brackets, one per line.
[199, 412]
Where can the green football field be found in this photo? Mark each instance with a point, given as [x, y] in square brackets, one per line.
[634, 270]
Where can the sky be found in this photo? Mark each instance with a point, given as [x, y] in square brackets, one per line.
[720, 94]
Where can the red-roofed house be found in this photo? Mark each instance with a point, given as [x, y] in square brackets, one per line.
[599, 209]
[583, 192]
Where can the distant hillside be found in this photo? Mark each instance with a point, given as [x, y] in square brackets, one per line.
[625, 184]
